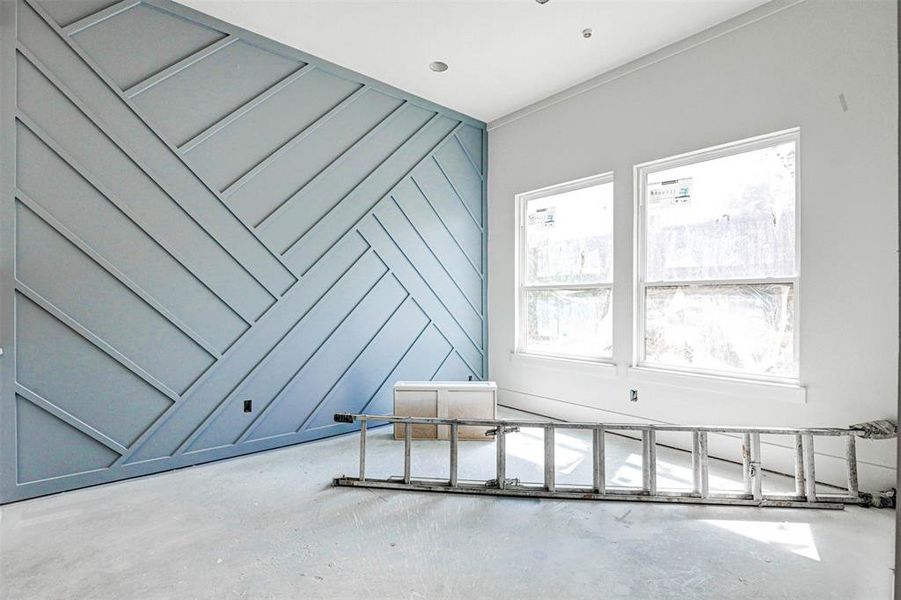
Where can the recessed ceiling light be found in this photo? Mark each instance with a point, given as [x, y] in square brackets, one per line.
[586, 33]
[438, 66]
[541, 1]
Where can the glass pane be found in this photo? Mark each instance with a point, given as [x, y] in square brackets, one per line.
[569, 237]
[726, 218]
[570, 322]
[742, 328]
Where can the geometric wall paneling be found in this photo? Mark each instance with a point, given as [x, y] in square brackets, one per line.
[68, 12]
[90, 385]
[258, 349]
[306, 158]
[85, 86]
[454, 369]
[80, 144]
[41, 434]
[428, 353]
[341, 217]
[470, 138]
[463, 176]
[46, 263]
[377, 236]
[194, 96]
[131, 32]
[427, 223]
[429, 270]
[368, 372]
[305, 342]
[433, 182]
[330, 362]
[357, 165]
[233, 150]
[98, 227]
[219, 219]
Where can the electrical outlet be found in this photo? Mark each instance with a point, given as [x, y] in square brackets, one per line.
[633, 395]
[248, 406]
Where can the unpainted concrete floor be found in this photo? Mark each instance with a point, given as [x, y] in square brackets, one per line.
[271, 526]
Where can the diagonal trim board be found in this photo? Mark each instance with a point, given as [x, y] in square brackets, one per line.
[163, 164]
[299, 237]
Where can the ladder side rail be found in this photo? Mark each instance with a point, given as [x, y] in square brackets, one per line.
[818, 431]
[826, 502]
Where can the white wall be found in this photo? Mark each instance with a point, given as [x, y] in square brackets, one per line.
[783, 70]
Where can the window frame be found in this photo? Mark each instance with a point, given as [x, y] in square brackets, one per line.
[640, 175]
[522, 287]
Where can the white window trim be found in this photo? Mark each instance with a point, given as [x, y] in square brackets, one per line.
[640, 174]
[565, 364]
[520, 287]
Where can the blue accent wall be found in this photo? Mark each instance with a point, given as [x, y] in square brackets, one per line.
[193, 216]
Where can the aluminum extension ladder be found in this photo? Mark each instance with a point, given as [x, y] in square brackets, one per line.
[805, 494]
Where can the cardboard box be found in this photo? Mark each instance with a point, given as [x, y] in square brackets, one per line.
[445, 399]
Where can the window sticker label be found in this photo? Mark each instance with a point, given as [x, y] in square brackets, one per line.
[542, 216]
[675, 192]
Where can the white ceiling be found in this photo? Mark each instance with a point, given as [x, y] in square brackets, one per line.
[503, 54]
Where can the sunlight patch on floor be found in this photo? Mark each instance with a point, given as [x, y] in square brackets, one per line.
[669, 476]
[528, 444]
[794, 537]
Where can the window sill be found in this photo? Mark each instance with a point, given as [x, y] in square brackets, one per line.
[752, 389]
[604, 366]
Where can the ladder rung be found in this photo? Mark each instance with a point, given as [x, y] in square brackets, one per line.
[454, 453]
[501, 437]
[810, 476]
[756, 472]
[363, 449]
[746, 462]
[408, 445]
[549, 458]
[700, 464]
[851, 457]
[649, 462]
[799, 465]
[598, 461]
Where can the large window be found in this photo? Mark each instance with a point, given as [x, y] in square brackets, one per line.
[566, 270]
[718, 260]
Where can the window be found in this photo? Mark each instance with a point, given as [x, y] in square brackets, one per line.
[718, 260]
[566, 270]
